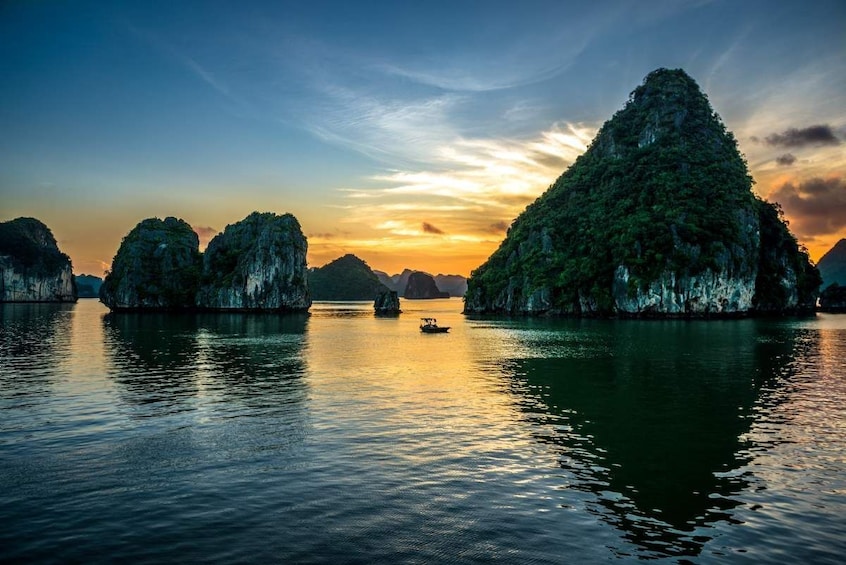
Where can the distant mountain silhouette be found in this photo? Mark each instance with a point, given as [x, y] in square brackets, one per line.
[832, 265]
[455, 285]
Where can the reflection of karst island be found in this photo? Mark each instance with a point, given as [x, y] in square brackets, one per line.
[656, 219]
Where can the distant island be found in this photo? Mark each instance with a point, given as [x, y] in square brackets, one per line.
[454, 285]
[656, 219]
[88, 286]
[345, 278]
[832, 266]
[421, 286]
[257, 264]
[32, 268]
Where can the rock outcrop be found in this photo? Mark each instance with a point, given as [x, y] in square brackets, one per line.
[32, 268]
[833, 299]
[258, 263]
[157, 267]
[656, 218]
[421, 286]
[832, 265]
[387, 303]
[345, 278]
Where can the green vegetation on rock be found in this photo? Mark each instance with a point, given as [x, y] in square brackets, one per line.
[345, 278]
[258, 263]
[31, 247]
[157, 266]
[658, 209]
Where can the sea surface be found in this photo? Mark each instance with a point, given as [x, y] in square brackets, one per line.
[340, 437]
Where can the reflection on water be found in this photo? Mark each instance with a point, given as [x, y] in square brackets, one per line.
[343, 437]
[166, 359]
[31, 342]
[654, 418]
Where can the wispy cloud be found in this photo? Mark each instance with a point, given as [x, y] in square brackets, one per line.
[473, 189]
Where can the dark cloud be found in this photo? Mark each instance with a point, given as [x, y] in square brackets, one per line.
[813, 135]
[786, 160]
[498, 227]
[429, 228]
[815, 207]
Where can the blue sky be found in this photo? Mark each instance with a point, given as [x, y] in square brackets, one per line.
[408, 133]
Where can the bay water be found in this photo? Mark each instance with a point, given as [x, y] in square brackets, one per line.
[341, 437]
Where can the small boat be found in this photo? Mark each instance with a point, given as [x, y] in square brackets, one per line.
[430, 326]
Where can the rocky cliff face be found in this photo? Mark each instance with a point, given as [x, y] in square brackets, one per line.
[258, 263]
[157, 267]
[387, 303]
[422, 286]
[657, 218]
[32, 268]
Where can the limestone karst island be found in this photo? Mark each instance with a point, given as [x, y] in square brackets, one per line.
[656, 219]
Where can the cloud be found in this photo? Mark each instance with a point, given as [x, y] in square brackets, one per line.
[429, 228]
[205, 233]
[814, 207]
[786, 160]
[813, 135]
[469, 191]
[499, 227]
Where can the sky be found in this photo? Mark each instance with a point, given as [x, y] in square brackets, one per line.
[408, 133]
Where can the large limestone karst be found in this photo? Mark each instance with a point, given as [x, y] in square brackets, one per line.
[157, 267]
[345, 278]
[258, 263]
[656, 218]
[32, 268]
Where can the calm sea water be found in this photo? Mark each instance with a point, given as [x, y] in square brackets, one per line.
[340, 437]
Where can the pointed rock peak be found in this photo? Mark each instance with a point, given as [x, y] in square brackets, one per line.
[657, 217]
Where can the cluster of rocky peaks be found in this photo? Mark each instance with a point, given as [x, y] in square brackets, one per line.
[419, 284]
[258, 263]
[32, 268]
[351, 278]
[656, 218]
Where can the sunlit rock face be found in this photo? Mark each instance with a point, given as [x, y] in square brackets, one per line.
[32, 268]
[258, 263]
[157, 267]
[656, 219]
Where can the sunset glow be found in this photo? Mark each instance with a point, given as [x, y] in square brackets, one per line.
[411, 136]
